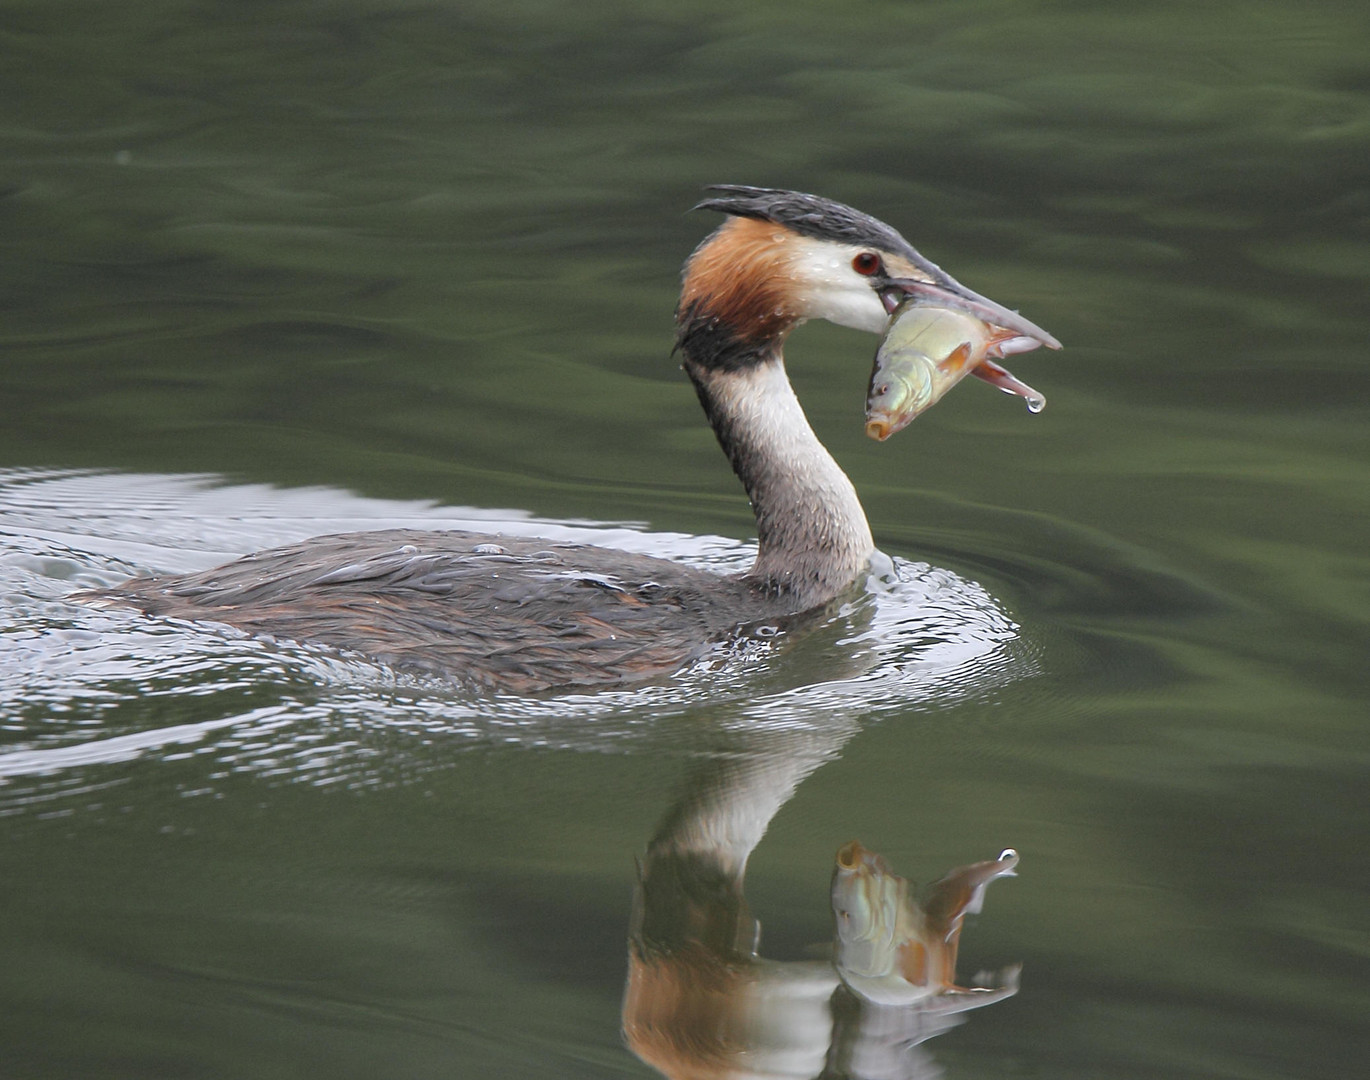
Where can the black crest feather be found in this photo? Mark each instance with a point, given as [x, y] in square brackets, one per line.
[808, 215]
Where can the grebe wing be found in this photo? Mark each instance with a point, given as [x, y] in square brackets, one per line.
[490, 611]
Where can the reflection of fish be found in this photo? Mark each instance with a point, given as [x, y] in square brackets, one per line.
[927, 349]
[892, 950]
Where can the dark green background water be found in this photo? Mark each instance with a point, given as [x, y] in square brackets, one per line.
[429, 252]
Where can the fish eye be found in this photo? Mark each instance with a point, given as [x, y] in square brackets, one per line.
[867, 264]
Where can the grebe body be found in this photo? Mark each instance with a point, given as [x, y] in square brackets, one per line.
[490, 611]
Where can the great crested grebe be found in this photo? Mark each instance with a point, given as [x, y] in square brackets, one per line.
[523, 615]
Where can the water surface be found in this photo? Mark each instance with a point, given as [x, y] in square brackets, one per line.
[279, 270]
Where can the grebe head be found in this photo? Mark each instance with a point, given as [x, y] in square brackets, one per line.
[784, 256]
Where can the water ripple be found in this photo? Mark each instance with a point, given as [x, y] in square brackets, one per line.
[91, 698]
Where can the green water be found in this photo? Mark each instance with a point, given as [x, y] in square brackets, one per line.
[275, 269]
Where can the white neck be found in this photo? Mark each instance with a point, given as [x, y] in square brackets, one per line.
[814, 539]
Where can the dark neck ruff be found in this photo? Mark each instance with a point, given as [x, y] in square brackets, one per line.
[709, 343]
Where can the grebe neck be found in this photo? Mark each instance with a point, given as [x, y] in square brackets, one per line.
[814, 541]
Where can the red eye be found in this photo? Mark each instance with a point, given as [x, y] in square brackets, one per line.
[866, 264]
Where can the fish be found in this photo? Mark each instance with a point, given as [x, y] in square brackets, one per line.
[927, 349]
[891, 949]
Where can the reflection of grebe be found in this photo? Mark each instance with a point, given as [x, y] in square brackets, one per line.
[526, 615]
[701, 1000]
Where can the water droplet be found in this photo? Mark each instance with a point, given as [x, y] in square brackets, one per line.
[1036, 403]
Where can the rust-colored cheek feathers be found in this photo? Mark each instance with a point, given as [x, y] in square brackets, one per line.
[743, 276]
